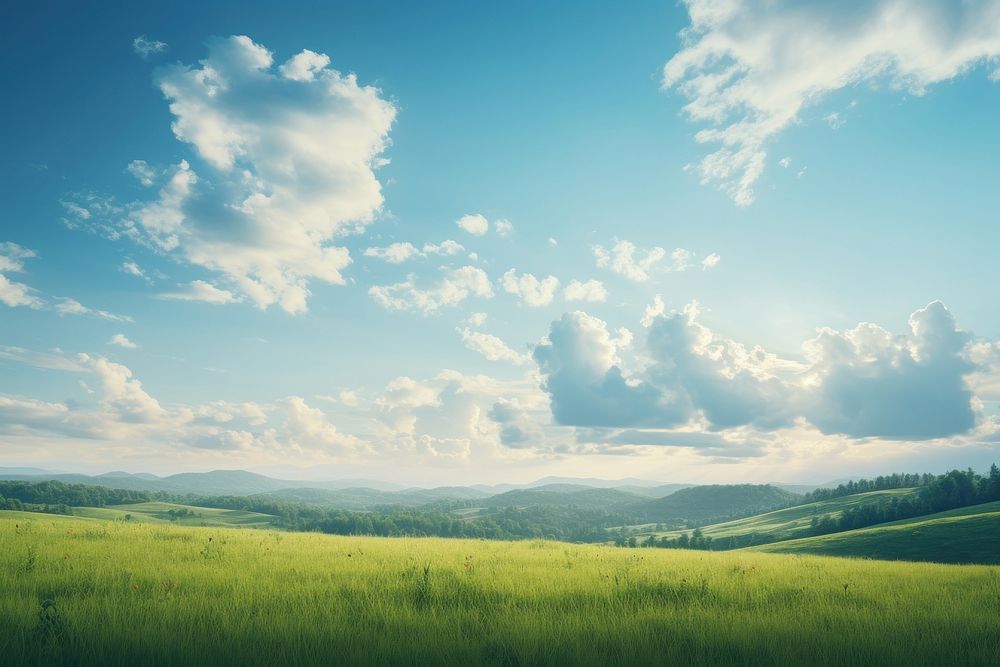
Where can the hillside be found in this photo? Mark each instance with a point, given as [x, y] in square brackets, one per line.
[786, 523]
[127, 593]
[184, 515]
[966, 535]
[564, 495]
[715, 502]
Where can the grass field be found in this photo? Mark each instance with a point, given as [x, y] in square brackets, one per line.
[787, 523]
[149, 593]
[966, 535]
[159, 512]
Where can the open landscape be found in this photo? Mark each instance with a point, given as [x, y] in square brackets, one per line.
[381, 332]
[182, 583]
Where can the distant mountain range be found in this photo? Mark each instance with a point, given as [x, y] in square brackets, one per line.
[635, 496]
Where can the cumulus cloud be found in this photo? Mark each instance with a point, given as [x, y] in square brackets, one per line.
[532, 291]
[749, 68]
[710, 262]
[67, 306]
[505, 228]
[288, 158]
[146, 47]
[199, 290]
[397, 253]
[125, 412]
[13, 293]
[142, 172]
[860, 383]
[592, 291]
[491, 347]
[455, 287]
[638, 264]
[122, 341]
[474, 224]
[869, 382]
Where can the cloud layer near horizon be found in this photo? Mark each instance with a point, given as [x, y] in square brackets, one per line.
[863, 382]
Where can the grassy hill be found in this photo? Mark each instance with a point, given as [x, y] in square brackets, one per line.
[789, 522]
[966, 535]
[93, 592]
[716, 502]
[564, 495]
[185, 515]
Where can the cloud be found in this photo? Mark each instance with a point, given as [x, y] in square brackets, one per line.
[143, 173]
[637, 264]
[505, 228]
[446, 247]
[476, 319]
[122, 341]
[860, 383]
[133, 269]
[749, 68]
[146, 47]
[199, 290]
[869, 382]
[397, 253]
[67, 306]
[592, 291]
[287, 165]
[474, 224]
[710, 262]
[455, 287]
[518, 429]
[12, 293]
[491, 347]
[532, 291]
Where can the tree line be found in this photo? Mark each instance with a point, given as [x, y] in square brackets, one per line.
[935, 493]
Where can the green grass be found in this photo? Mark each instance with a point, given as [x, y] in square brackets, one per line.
[159, 512]
[966, 535]
[788, 523]
[157, 594]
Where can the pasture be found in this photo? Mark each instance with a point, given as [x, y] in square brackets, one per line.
[97, 592]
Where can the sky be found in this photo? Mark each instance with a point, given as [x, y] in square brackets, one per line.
[456, 243]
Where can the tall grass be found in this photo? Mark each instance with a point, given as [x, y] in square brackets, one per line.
[79, 591]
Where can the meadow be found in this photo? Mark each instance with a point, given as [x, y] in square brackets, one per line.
[92, 591]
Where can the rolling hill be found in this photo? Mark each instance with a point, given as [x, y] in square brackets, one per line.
[715, 502]
[965, 535]
[564, 495]
[789, 522]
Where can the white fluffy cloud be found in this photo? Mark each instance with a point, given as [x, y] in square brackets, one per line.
[288, 158]
[397, 253]
[13, 293]
[142, 172]
[199, 290]
[592, 291]
[710, 262]
[749, 68]
[455, 287]
[491, 347]
[865, 382]
[638, 264]
[474, 224]
[532, 291]
[121, 340]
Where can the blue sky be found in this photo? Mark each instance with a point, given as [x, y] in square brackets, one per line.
[690, 211]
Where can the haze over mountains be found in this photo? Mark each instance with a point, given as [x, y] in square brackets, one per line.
[640, 498]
